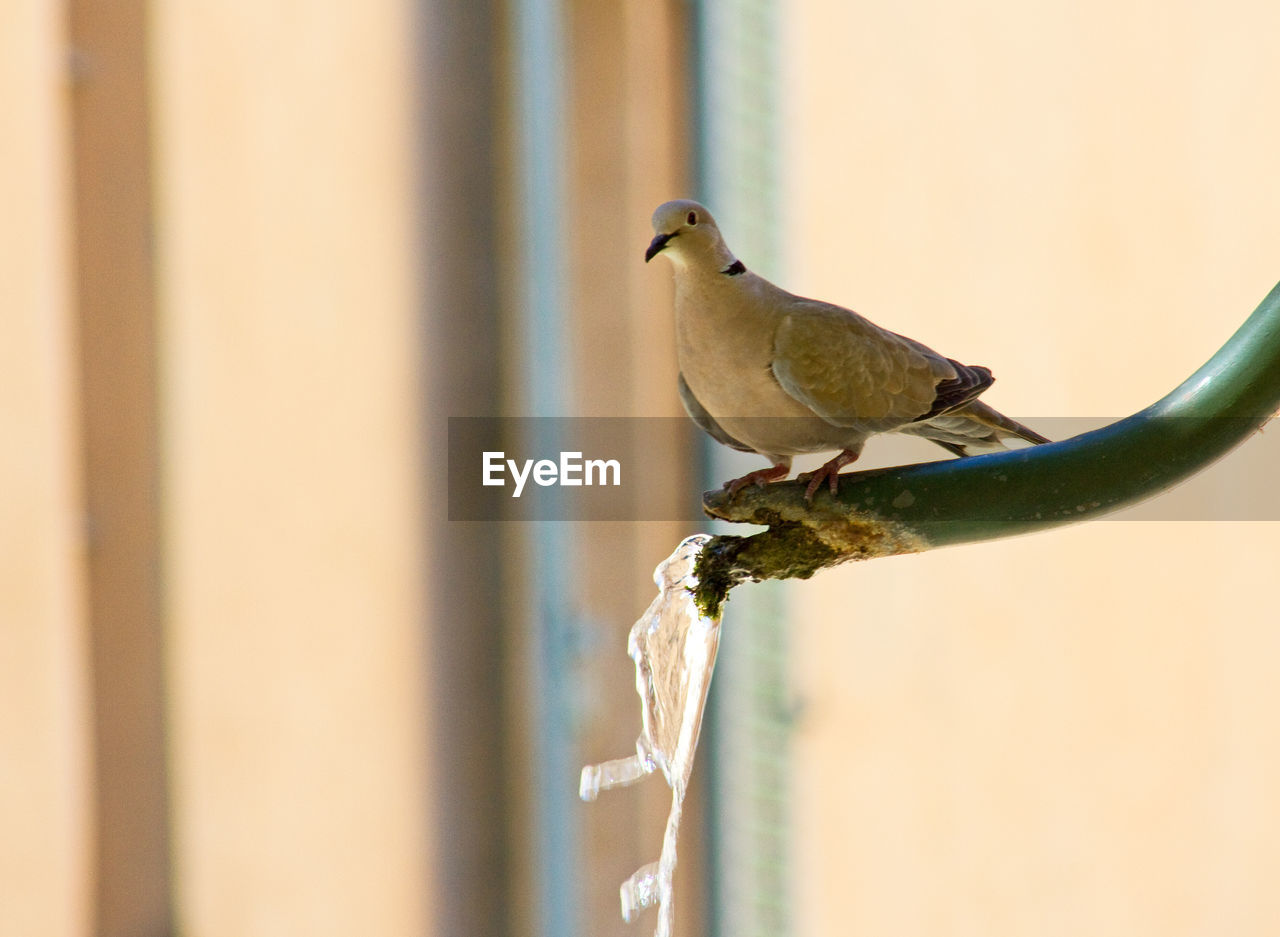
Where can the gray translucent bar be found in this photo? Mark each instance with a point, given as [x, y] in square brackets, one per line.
[636, 469]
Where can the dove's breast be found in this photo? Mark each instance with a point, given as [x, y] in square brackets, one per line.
[725, 346]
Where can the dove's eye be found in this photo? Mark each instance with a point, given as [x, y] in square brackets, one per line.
[693, 218]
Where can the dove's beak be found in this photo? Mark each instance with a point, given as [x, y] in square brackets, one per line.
[657, 244]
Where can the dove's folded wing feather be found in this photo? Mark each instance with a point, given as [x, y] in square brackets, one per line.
[851, 372]
[970, 381]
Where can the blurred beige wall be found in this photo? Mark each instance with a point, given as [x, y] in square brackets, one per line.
[44, 772]
[1074, 732]
[288, 314]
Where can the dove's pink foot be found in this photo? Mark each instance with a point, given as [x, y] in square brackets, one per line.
[828, 472]
[757, 478]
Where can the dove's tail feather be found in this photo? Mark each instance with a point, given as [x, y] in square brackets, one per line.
[973, 426]
[1003, 425]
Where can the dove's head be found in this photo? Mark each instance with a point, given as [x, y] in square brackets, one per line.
[686, 233]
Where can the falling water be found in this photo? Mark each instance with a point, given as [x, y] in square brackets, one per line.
[674, 648]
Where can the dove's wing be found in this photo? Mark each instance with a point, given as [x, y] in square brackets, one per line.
[704, 420]
[957, 392]
[851, 372]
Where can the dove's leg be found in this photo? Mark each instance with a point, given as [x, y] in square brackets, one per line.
[828, 472]
[759, 477]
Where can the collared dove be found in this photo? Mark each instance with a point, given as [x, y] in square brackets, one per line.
[766, 371]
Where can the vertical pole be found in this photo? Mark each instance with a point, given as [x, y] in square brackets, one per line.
[116, 303]
[460, 220]
[540, 157]
[749, 763]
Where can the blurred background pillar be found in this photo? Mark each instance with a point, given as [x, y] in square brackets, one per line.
[461, 220]
[116, 303]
